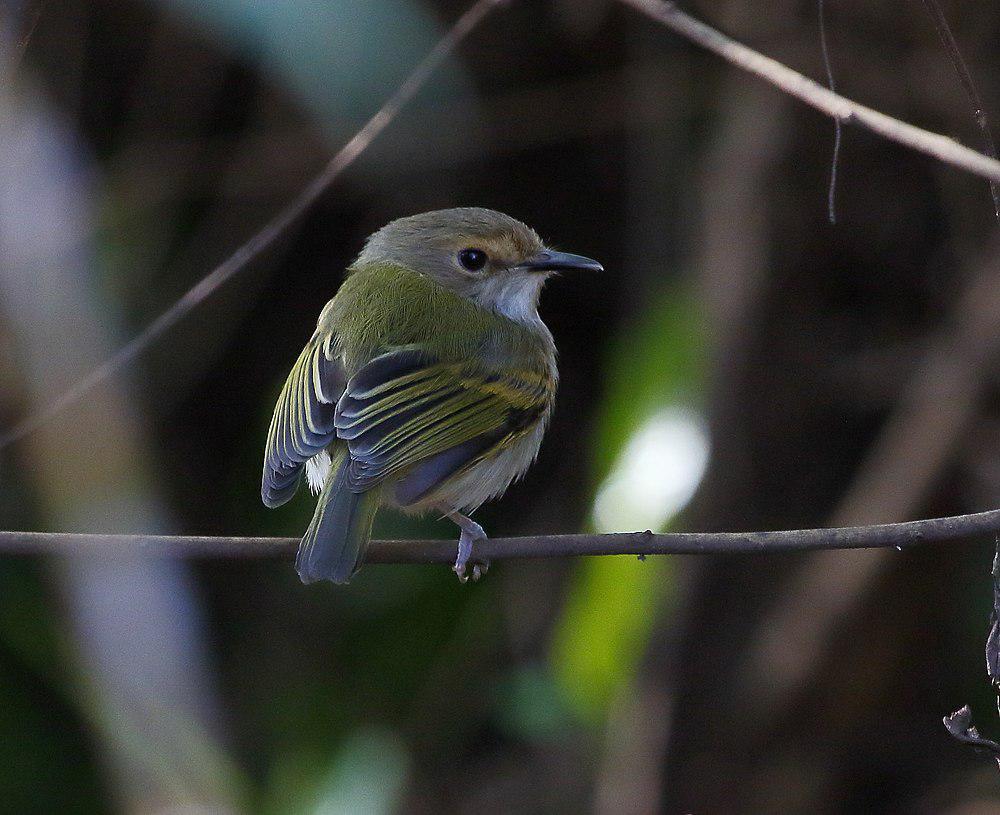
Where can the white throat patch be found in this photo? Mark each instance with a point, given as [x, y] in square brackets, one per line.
[514, 296]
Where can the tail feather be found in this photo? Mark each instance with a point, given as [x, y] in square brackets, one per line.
[335, 542]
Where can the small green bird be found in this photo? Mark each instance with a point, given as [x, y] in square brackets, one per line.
[427, 384]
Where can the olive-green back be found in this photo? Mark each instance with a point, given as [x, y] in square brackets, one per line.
[382, 306]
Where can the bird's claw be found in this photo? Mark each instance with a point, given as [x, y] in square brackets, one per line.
[479, 569]
[471, 532]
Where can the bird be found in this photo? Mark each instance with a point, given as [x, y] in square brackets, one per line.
[427, 385]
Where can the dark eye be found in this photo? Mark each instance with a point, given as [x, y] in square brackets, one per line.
[472, 259]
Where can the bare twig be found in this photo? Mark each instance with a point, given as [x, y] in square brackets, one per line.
[270, 234]
[898, 535]
[815, 95]
[831, 200]
[965, 77]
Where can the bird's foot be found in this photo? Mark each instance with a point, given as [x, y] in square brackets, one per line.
[471, 532]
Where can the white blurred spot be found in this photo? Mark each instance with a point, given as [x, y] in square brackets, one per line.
[656, 474]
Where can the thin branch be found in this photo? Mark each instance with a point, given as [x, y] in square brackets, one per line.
[270, 234]
[965, 77]
[831, 198]
[899, 535]
[815, 95]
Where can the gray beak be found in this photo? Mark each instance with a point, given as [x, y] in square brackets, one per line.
[550, 261]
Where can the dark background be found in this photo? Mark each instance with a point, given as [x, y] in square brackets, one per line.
[839, 374]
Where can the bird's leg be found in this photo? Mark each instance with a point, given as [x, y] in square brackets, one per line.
[471, 532]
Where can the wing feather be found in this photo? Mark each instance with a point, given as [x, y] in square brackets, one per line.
[405, 408]
[304, 419]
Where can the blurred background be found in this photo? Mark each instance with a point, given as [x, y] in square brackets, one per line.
[742, 364]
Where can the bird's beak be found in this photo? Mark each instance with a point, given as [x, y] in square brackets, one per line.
[550, 261]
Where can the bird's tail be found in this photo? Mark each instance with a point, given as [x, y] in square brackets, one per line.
[335, 543]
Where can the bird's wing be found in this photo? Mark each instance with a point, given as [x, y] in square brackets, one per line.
[406, 409]
[303, 421]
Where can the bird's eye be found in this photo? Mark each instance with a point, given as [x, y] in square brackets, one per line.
[472, 259]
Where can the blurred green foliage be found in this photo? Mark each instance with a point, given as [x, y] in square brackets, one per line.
[602, 629]
[611, 602]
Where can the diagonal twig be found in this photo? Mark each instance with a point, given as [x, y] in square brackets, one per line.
[838, 135]
[815, 95]
[270, 234]
[965, 77]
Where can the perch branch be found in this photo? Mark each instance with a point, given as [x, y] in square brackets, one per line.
[815, 95]
[899, 535]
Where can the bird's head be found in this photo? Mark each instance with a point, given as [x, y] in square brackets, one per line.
[480, 254]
